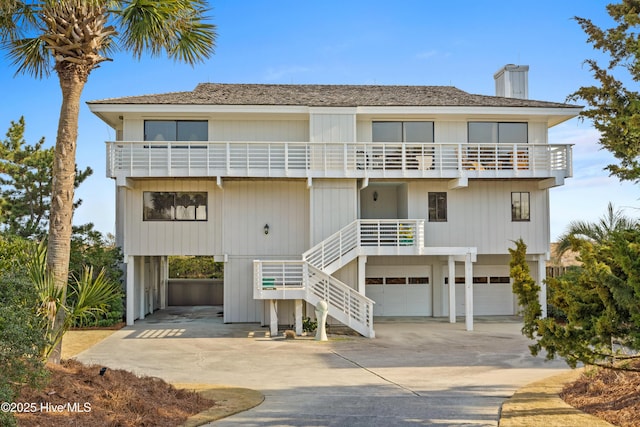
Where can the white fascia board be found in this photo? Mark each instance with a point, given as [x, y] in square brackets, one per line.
[199, 108]
[553, 115]
[111, 113]
[333, 110]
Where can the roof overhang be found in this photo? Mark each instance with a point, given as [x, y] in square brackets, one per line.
[112, 114]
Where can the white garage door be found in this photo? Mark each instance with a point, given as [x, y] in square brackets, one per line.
[400, 290]
[492, 293]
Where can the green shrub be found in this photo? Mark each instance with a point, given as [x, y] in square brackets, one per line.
[195, 267]
[21, 339]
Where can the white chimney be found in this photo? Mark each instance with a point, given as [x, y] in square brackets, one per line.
[512, 81]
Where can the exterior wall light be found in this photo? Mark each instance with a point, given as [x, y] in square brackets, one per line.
[266, 229]
[375, 196]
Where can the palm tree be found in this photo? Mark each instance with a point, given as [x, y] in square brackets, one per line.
[72, 38]
[598, 232]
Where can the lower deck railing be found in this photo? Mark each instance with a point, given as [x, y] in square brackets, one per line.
[300, 280]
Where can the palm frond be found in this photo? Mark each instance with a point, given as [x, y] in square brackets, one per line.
[611, 222]
[176, 27]
[92, 294]
[30, 56]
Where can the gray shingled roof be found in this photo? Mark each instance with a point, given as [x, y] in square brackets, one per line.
[329, 96]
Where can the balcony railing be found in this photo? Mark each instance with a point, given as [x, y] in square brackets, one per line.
[336, 160]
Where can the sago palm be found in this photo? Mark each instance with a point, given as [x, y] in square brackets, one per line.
[73, 37]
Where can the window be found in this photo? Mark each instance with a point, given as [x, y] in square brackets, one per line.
[176, 130]
[520, 206]
[402, 132]
[498, 132]
[169, 206]
[437, 207]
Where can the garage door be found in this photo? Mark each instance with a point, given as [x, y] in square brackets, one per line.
[492, 293]
[399, 290]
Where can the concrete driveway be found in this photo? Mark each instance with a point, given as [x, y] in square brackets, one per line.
[417, 372]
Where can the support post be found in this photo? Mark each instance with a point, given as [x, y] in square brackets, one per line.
[164, 281]
[298, 316]
[142, 288]
[542, 276]
[362, 265]
[273, 317]
[452, 290]
[468, 292]
[130, 290]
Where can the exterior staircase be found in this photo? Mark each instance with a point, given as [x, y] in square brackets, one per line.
[311, 280]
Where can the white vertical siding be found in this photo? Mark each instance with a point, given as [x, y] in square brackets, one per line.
[250, 205]
[480, 216]
[450, 131]
[172, 237]
[387, 205]
[239, 305]
[334, 204]
[332, 127]
[259, 130]
[538, 132]
[133, 129]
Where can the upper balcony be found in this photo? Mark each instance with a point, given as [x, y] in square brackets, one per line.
[127, 159]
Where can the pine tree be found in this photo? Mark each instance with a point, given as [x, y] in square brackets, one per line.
[25, 183]
[613, 108]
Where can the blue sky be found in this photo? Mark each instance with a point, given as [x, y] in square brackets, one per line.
[408, 42]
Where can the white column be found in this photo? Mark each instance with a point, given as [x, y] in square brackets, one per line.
[468, 292]
[130, 289]
[273, 317]
[452, 289]
[141, 287]
[542, 276]
[362, 268]
[298, 316]
[164, 281]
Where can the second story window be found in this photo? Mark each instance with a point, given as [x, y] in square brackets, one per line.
[173, 206]
[520, 206]
[402, 132]
[498, 132]
[437, 207]
[176, 130]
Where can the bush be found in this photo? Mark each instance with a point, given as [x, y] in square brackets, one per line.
[90, 248]
[195, 267]
[21, 338]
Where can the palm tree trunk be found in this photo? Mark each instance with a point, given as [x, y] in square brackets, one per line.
[64, 173]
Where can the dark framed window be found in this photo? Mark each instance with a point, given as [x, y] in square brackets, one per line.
[520, 207]
[402, 132]
[498, 132]
[173, 206]
[437, 207]
[176, 130]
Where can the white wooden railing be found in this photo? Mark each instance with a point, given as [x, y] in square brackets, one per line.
[300, 280]
[317, 160]
[343, 246]
[310, 278]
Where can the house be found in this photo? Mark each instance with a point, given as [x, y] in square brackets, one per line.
[380, 200]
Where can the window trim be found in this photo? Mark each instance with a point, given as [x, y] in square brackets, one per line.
[403, 130]
[174, 205]
[175, 123]
[497, 141]
[435, 209]
[516, 213]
